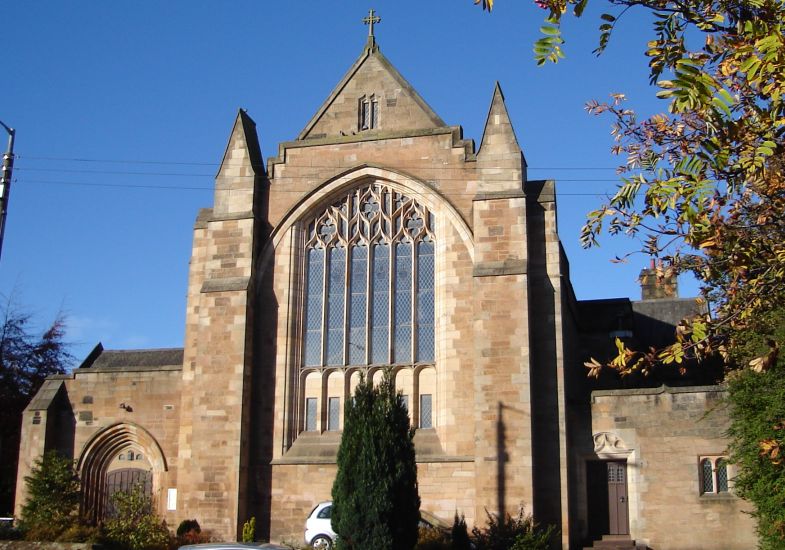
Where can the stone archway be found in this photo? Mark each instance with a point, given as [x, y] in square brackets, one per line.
[99, 453]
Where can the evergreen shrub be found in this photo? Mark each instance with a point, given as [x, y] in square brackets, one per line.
[514, 533]
[460, 534]
[375, 499]
[52, 498]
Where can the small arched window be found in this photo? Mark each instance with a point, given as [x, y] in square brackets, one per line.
[714, 475]
[707, 476]
[368, 113]
[722, 475]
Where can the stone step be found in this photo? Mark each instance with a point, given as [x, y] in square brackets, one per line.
[615, 542]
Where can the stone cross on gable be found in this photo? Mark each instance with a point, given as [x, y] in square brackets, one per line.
[370, 20]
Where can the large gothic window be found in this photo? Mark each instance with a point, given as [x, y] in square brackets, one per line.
[369, 281]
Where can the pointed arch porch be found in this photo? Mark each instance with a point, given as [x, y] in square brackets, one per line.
[99, 452]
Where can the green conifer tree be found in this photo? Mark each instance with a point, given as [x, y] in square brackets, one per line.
[375, 499]
[52, 498]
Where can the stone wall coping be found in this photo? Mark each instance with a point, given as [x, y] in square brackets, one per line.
[247, 215]
[505, 267]
[41, 545]
[498, 195]
[658, 300]
[128, 369]
[658, 391]
[428, 460]
[381, 135]
[226, 284]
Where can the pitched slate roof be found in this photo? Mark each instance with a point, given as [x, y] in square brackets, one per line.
[120, 359]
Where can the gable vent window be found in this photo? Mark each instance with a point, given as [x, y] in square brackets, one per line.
[369, 113]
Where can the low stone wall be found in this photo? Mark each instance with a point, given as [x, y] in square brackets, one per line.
[28, 545]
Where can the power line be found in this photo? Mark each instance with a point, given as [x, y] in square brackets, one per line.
[189, 188]
[242, 163]
[117, 185]
[115, 161]
[117, 172]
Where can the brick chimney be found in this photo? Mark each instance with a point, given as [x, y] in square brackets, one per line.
[654, 287]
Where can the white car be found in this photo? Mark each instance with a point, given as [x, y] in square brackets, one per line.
[234, 546]
[318, 528]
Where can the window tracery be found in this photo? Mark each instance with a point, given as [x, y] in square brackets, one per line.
[369, 281]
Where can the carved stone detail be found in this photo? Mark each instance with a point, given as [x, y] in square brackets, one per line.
[608, 442]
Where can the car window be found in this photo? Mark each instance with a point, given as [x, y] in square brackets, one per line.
[324, 513]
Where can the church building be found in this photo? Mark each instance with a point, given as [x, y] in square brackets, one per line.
[381, 237]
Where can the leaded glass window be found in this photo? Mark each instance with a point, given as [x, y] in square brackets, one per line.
[334, 414]
[426, 411]
[707, 476]
[714, 476]
[369, 281]
[722, 475]
[310, 414]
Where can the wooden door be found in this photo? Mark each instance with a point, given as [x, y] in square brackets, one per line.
[617, 498]
[125, 480]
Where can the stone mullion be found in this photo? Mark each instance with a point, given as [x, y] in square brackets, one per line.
[346, 302]
[415, 405]
[325, 283]
[414, 291]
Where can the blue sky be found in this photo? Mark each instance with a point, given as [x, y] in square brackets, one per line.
[123, 109]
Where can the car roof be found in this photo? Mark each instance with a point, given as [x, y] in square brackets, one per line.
[234, 546]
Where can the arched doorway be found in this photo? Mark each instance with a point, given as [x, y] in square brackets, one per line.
[115, 459]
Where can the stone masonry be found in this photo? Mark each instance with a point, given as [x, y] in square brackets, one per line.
[237, 423]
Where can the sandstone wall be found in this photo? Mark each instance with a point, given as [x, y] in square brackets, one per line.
[664, 432]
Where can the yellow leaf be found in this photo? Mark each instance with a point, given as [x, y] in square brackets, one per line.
[594, 367]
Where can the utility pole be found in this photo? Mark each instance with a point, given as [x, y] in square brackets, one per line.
[5, 180]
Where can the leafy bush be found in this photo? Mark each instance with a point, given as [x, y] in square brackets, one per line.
[757, 440]
[518, 533]
[52, 498]
[188, 525]
[134, 525]
[430, 538]
[189, 532]
[249, 530]
[80, 532]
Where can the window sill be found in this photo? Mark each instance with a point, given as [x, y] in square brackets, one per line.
[709, 497]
